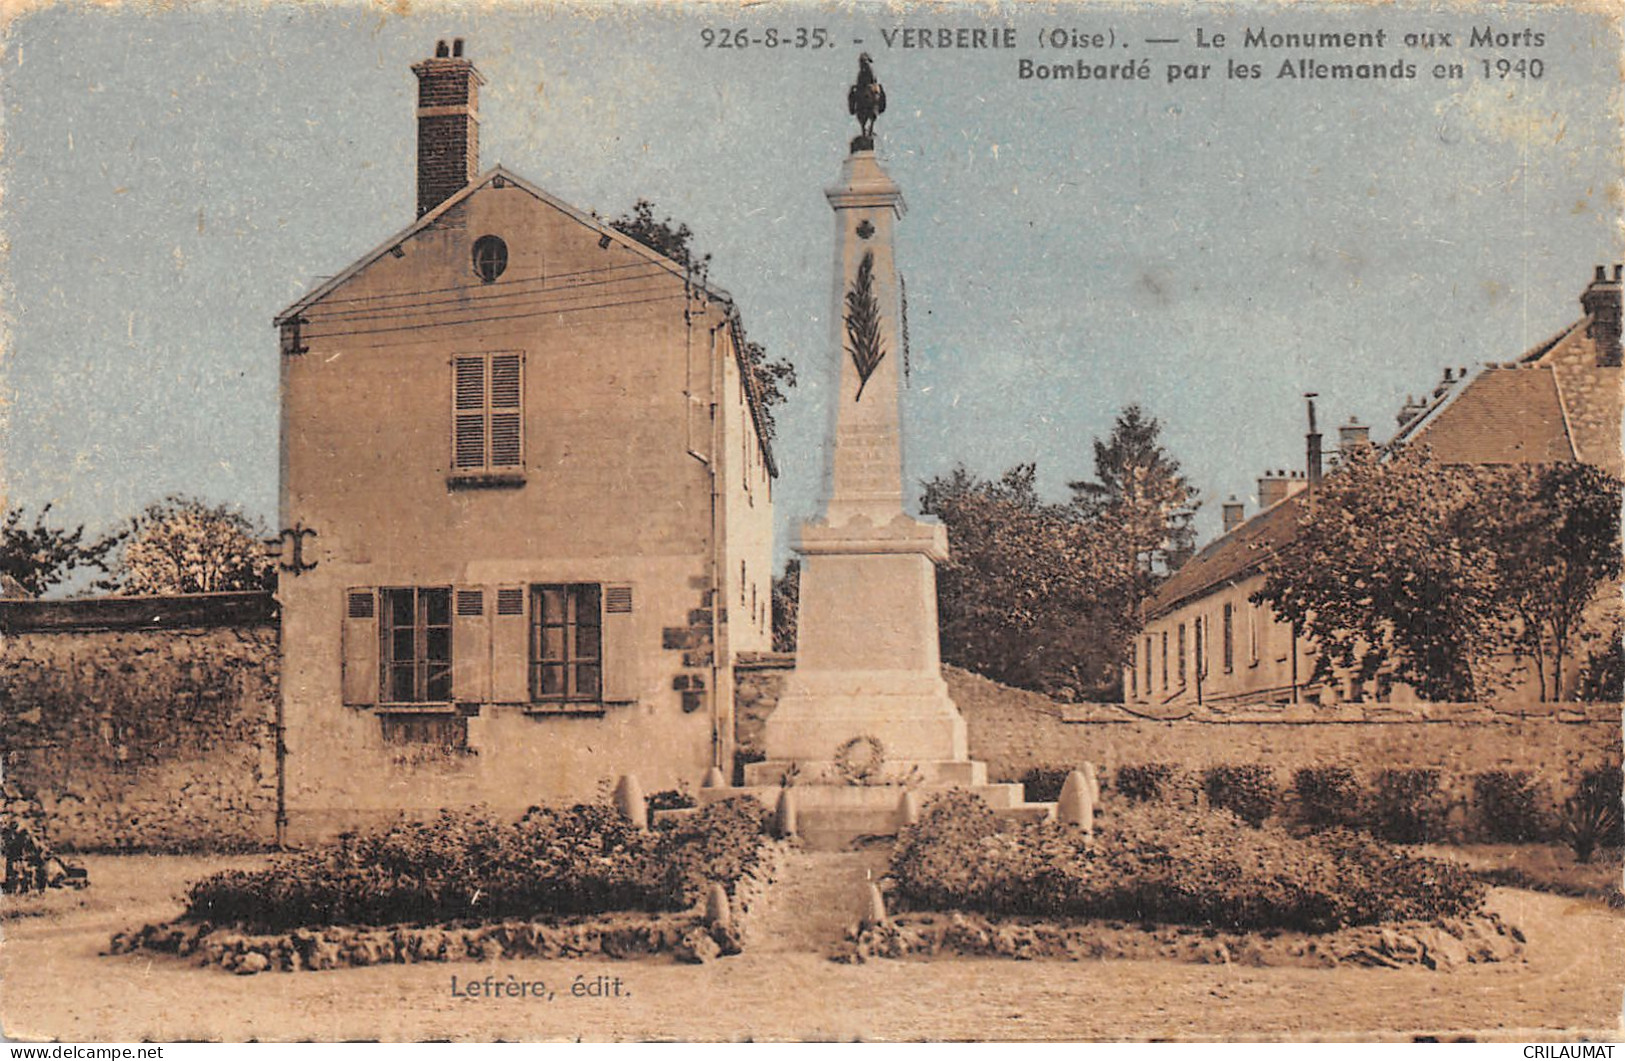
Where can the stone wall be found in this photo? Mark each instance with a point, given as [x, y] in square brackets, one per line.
[758, 681]
[1013, 730]
[144, 723]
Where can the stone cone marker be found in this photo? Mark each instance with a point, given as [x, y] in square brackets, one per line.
[1076, 805]
[875, 908]
[1089, 775]
[717, 912]
[784, 815]
[908, 808]
[630, 802]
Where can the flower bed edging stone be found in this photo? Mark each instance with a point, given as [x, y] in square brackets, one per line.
[1444, 945]
[686, 936]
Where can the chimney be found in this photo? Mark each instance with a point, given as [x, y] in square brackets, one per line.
[1272, 489]
[1410, 410]
[448, 124]
[1602, 304]
[1312, 463]
[1352, 436]
[1235, 514]
[1275, 487]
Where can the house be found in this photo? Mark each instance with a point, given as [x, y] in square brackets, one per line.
[1204, 642]
[527, 475]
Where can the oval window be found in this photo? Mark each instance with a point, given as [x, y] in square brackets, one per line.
[490, 257]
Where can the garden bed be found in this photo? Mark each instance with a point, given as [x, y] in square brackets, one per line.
[1444, 945]
[558, 883]
[1158, 881]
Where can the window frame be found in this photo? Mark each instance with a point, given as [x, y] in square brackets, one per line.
[574, 666]
[420, 661]
[498, 260]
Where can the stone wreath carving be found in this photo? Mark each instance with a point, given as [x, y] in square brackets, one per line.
[860, 760]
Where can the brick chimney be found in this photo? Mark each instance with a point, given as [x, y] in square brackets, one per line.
[448, 124]
[1235, 514]
[1602, 304]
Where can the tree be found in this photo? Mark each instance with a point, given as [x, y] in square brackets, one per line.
[1555, 530]
[1384, 572]
[1030, 594]
[40, 556]
[1139, 493]
[786, 606]
[774, 379]
[1430, 570]
[182, 545]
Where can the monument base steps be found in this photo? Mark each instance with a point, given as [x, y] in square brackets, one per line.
[830, 817]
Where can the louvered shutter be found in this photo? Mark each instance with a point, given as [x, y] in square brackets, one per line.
[470, 646]
[507, 413]
[510, 647]
[623, 656]
[359, 646]
[468, 413]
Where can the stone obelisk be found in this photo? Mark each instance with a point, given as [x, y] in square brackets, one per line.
[867, 657]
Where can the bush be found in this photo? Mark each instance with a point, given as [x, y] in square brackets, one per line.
[1247, 791]
[1592, 817]
[580, 860]
[1163, 864]
[718, 845]
[670, 799]
[1145, 782]
[1328, 796]
[1508, 806]
[1406, 806]
[929, 859]
[1042, 784]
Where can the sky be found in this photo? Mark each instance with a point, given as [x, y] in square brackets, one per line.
[1211, 249]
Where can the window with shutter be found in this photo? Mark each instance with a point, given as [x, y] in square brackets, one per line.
[487, 417]
[510, 641]
[414, 645]
[468, 443]
[471, 633]
[566, 643]
[359, 647]
[622, 658]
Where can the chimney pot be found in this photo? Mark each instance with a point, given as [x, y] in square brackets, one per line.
[1618, 269]
[1602, 274]
[457, 48]
[440, 51]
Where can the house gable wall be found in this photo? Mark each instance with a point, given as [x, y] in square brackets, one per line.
[620, 384]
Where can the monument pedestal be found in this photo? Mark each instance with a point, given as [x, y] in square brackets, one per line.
[867, 662]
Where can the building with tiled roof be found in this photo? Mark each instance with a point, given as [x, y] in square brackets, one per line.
[1203, 640]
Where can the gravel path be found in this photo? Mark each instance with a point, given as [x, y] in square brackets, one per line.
[57, 986]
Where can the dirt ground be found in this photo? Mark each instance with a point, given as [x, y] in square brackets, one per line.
[56, 984]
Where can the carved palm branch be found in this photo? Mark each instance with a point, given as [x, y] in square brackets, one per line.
[863, 323]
